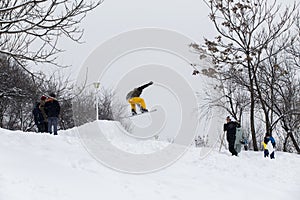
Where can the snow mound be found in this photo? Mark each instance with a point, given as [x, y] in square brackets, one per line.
[120, 138]
[42, 166]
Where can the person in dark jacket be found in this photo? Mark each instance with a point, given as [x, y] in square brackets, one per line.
[42, 109]
[38, 118]
[52, 109]
[230, 128]
[133, 98]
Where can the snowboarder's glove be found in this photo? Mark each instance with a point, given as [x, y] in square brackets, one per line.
[144, 86]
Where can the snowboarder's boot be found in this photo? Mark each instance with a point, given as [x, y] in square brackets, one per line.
[143, 110]
[133, 112]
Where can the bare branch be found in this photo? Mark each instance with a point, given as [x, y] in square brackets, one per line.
[30, 29]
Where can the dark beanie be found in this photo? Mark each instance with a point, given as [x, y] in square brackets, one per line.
[52, 95]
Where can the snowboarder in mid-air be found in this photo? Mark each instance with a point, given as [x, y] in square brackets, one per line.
[133, 98]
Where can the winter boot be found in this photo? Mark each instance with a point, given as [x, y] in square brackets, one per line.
[133, 112]
[143, 110]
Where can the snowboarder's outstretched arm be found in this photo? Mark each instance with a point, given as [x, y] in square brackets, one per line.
[144, 86]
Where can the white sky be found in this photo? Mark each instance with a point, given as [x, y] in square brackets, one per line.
[113, 17]
[189, 17]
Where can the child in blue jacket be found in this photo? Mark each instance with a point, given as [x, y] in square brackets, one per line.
[269, 146]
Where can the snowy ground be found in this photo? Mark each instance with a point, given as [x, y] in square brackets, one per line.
[44, 167]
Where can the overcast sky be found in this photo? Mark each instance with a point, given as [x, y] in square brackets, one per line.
[113, 17]
[188, 17]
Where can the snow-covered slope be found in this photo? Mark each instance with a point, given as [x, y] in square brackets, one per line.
[44, 167]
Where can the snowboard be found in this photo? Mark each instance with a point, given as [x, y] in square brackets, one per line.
[270, 147]
[150, 111]
[238, 139]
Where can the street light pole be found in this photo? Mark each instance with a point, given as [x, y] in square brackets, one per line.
[96, 85]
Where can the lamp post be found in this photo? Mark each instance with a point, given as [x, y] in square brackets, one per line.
[96, 85]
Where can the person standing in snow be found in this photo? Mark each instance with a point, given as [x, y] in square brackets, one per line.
[52, 110]
[42, 109]
[39, 115]
[269, 146]
[230, 128]
[133, 98]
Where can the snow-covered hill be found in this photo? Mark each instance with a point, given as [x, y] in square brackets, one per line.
[45, 167]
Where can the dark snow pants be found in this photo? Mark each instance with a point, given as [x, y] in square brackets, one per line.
[266, 154]
[231, 141]
[52, 121]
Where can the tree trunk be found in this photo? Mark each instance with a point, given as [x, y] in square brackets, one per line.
[252, 125]
[285, 142]
[295, 143]
[262, 102]
[252, 106]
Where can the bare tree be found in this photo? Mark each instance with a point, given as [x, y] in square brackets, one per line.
[247, 29]
[19, 93]
[294, 50]
[31, 29]
[109, 108]
[286, 105]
